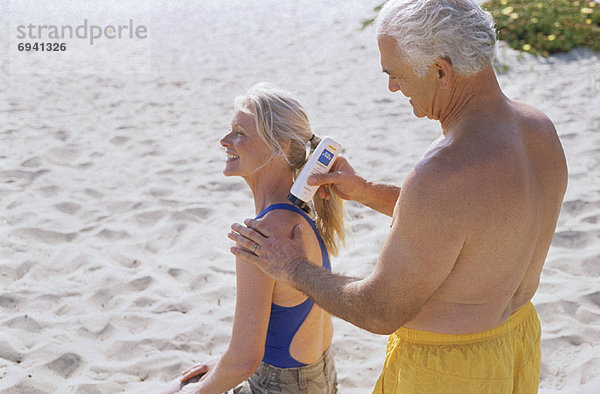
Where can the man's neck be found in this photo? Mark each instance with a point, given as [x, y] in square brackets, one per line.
[467, 96]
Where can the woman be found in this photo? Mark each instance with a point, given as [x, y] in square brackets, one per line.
[269, 142]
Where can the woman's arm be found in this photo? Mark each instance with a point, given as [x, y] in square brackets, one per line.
[247, 343]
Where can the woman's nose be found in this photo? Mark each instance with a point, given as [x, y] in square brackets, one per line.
[225, 140]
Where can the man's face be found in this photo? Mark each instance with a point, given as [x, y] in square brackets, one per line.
[421, 91]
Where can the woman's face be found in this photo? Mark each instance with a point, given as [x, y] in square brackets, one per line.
[246, 151]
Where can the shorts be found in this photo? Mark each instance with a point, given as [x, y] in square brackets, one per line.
[317, 378]
[505, 359]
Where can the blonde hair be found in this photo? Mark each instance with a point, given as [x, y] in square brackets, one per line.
[278, 117]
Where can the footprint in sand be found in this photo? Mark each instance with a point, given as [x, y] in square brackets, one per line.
[149, 219]
[68, 207]
[593, 298]
[140, 284]
[32, 162]
[589, 370]
[10, 301]
[7, 352]
[63, 156]
[193, 214]
[587, 315]
[591, 266]
[65, 365]
[576, 207]
[20, 178]
[45, 236]
[112, 235]
[24, 323]
[593, 219]
[573, 239]
[119, 140]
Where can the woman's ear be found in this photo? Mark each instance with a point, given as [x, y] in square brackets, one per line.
[285, 144]
[445, 73]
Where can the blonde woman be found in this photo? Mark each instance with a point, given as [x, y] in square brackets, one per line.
[280, 339]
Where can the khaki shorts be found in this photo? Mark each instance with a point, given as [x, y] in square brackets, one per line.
[317, 378]
[505, 359]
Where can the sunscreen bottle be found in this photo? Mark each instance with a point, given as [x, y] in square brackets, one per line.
[319, 162]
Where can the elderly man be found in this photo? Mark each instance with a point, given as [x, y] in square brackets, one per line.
[472, 223]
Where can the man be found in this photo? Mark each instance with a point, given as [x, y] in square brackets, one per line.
[472, 223]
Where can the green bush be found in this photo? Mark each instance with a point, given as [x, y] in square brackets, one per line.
[544, 27]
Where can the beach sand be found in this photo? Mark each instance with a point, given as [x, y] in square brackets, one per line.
[115, 273]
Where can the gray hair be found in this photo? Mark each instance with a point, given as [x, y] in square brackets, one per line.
[426, 30]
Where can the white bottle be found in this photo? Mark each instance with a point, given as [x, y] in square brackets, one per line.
[319, 162]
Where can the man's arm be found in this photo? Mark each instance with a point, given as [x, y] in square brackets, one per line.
[380, 197]
[421, 250]
[343, 180]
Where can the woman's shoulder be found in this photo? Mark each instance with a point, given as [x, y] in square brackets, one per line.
[282, 221]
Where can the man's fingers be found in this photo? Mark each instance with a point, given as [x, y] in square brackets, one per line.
[323, 193]
[245, 255]
[323, 179]
[248, 232]
[241, 240]
[258, 226]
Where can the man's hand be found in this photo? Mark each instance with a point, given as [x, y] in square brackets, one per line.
[276, 256]
[342, 179]
[344, 182]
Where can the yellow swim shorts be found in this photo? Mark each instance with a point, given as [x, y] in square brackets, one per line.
[505, 359]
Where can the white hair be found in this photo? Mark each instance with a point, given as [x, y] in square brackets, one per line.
[426, 30]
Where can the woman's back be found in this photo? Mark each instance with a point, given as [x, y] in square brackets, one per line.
[297, 326]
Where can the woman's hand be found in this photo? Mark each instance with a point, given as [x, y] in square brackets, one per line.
[193, 388]
[200, 369]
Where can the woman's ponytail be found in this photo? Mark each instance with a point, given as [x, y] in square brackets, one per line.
[330, 214]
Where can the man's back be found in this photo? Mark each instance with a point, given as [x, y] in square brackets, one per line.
[509, 175]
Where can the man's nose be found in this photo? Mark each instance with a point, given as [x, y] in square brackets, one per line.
[393, 85]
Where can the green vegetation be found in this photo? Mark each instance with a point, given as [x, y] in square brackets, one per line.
[544, 27]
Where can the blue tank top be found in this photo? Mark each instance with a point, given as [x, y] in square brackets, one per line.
[285, 321]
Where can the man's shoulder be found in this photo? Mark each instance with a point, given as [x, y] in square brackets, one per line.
[441, 168]
[456, 178]
[437, 180]
[532, 119]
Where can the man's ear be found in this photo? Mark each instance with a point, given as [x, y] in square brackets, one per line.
[445, 73]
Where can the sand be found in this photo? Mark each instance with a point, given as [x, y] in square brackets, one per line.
[115, 273]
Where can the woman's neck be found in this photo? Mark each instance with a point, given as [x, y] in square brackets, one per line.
[270, 186]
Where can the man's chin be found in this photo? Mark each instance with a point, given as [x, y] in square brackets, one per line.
[419, 114]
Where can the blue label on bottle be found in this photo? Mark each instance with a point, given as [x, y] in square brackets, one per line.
[325, 158]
